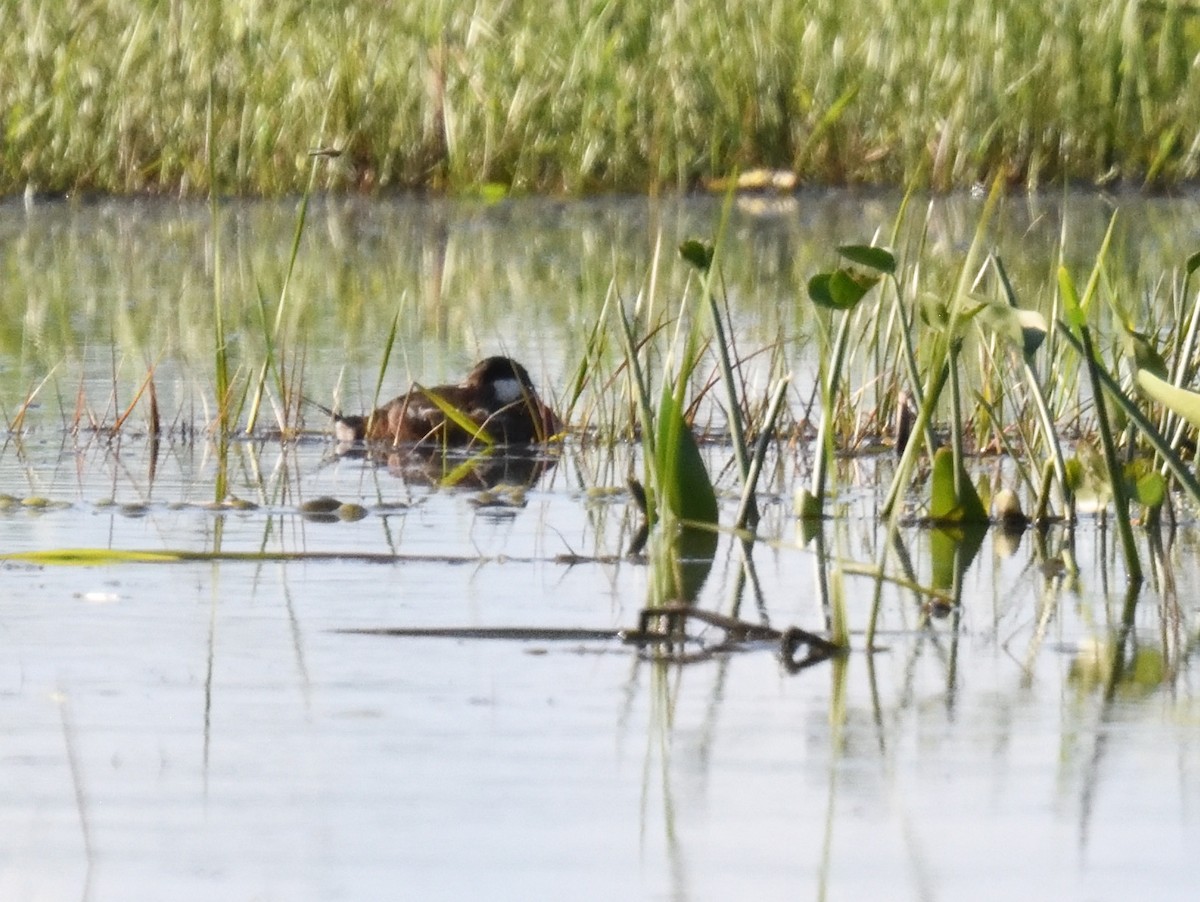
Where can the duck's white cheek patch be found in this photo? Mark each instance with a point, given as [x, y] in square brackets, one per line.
[507, 390]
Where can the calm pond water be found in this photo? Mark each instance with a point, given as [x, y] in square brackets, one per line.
[205, 727]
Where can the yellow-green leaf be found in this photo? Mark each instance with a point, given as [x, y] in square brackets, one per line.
[1070, 298]
[1178, 400]
[876, 258]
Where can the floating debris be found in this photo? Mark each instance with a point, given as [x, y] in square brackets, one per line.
[502, 496]
[1006, 510]
[322, 505]
[780, 181]
[661, 632]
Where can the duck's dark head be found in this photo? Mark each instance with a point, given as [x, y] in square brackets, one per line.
[504, 388]
[502, 380]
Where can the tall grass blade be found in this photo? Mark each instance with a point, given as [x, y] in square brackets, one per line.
[1029, 345]
[1073, 308]
[456, 416]
[383, 364]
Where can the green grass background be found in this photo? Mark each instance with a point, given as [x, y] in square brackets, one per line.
[582, 96]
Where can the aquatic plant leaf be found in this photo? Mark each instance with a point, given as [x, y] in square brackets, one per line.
[807, 506]
[1193, 262]
[1150, 489]
[1144, 483]
[945, 505]
[92, 557]
[688, 556]
[1179, 401]
[1101, 664]
[818, 290]
[876, 258]
[683, 480]
[841, 289]
[697, 253]
[493, 192]
[952, 550]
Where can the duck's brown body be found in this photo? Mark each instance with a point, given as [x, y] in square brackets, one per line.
[497, 396]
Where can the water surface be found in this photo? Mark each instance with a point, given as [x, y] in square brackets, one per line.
[205, 728]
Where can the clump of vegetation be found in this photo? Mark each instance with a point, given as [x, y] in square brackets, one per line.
[132, 95]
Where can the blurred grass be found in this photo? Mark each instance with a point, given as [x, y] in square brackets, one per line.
[578, 97]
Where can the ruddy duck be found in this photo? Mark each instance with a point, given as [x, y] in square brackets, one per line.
[497, 396]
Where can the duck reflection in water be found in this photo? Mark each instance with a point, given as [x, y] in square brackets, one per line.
[426, 434]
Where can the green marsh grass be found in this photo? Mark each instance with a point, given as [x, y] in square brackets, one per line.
[494, 96]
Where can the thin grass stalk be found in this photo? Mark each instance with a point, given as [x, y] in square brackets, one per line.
[18, 420]
[909, 354]
[829, 385]
[592, 351]
[881, 327]
[774, 407]
[1076, 308]
[383, 364]
[270, 362]
[936, 376]
[220, 351]
[641, 392]
[1045, 421]
[934, 382]
[1133, 565]
[734, 407]
[637, 382]
[1182, 370]
[956, 428]
[137, 396]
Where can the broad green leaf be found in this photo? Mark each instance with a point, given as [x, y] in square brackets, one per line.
[806, 505]
[1151, 490]
[683, 479]
[841, 289]
[691, 553]
[1177, 400]
[697, 253]
[876, 258]
[945, 506]
[818, 290]
[1145, 483]
[951, 550]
